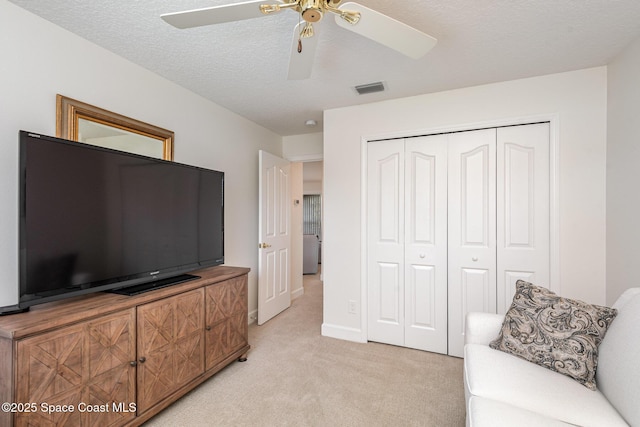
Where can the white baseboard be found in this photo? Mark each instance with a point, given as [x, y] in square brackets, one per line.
[253, 316]
[343, 333]
[297, 293]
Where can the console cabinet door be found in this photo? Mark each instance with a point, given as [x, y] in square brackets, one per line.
[239, 321]
[88, 363]
[226, 323]
[170, 345]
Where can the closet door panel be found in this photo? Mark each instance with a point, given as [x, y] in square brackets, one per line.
[471, 229]
[476, 291]
[386, 297]
[522, 208]
[426, 243]
[385, 236]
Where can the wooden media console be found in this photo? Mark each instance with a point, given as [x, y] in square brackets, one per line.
[113, 360]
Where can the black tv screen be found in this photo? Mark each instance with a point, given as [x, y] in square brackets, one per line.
[94, 219]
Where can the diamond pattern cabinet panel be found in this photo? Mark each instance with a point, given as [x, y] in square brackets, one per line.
[217, 303]
[89, 362]
[111, 349]
[217, 338]
[170, 345]
[226, 319]
[238, 331]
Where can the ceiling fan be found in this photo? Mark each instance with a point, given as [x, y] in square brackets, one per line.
[351, 16]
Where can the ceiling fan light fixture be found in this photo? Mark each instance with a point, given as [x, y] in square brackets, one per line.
[307, 31]
[311, 10]
[269, 8]
[349, 16]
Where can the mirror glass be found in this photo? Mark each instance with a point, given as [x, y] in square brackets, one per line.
[79, 121]
[95, 133]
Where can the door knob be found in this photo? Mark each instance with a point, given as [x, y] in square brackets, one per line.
[264, 245]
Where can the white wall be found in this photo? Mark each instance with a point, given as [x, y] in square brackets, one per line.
[313, 172]
[40, 59]
[623, 172]
[302, 148]
[578, 102]
[297, 284]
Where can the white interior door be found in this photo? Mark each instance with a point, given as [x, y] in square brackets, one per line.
[471, 229]
[407, 248]
[499, 219]
[274, 289]
[426, 243]
[385, 235]
[523, 209]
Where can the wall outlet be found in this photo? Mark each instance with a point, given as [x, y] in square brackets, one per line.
[353, 307]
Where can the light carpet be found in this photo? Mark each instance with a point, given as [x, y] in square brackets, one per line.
[296, 377]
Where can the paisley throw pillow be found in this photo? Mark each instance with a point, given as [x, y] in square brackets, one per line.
[554, 332]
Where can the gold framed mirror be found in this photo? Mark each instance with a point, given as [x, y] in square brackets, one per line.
[82, 122]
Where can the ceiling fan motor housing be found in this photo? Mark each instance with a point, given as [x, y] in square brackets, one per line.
[311, 10]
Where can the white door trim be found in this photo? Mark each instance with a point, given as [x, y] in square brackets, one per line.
[554, 193]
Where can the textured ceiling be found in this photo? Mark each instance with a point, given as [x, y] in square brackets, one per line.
[243, 65]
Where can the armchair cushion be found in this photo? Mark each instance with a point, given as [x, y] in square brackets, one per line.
[493, 413]
[498, 376]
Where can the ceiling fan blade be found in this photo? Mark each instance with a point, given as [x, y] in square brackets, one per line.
[387, 31]
[301, 63]
[216, 14]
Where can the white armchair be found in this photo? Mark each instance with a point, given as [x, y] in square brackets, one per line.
[505, 390]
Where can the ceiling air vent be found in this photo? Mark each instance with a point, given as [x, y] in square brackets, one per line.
[370, 88]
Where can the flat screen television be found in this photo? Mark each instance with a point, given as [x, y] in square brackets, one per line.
[94, 219]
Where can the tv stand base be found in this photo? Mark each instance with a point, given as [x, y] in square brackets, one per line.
[12, 309]
[156, 284]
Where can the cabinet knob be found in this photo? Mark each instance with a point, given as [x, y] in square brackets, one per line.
[422, 255]
[474, 259]
[208, 328]
[133, 363]
[142, 359]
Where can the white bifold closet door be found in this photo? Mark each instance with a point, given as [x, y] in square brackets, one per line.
[472, 228]
[453, 221]
[407, 227]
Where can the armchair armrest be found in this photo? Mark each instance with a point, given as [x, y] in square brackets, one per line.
[482, 328]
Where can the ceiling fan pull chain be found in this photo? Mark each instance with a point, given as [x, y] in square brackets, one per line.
[299, 36]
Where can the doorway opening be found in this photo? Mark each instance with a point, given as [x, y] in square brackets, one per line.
[312, 217]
